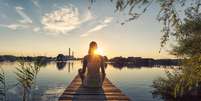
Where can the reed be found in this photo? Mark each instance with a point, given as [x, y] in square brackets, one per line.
[26, 75]
[2, 84]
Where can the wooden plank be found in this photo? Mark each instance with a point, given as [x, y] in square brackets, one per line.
[76, 92]
[89, 93]
[95, 97]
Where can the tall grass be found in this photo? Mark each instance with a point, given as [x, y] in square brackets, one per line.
[186, 82]
[181, 84]
[26, 75]
[2, 84]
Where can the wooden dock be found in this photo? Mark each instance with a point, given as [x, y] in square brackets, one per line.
[108, 92]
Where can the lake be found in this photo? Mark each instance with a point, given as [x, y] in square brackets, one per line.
[52, 79]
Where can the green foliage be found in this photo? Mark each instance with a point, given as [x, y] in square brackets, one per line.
[26, 74]
[182, 20]
[135, 7]
[189, 39]
[171, 13]
[2, 84]
[167, 86]
[186, 81]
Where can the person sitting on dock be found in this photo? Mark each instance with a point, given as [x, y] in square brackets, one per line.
[92, 63]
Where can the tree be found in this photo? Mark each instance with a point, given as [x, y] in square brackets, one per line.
[171, 14]
[182, 20]
[184, 82]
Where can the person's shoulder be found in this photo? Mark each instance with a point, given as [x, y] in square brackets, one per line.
[86, 57]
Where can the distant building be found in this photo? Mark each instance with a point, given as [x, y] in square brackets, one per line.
[69, 51]
[62, 57]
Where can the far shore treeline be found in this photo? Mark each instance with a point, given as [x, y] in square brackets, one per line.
[12, 58]
[116, 61]
[139, 61]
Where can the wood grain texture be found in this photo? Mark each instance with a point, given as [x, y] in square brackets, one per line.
[76, 92]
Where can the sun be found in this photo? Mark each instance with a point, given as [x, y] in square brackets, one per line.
[99, 51]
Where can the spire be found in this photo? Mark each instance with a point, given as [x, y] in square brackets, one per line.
[69, 52]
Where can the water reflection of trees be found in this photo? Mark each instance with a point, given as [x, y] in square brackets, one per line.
[41, 63]
[62, 65]
[70, 66]
[134, 66]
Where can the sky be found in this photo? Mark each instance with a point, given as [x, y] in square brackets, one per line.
[50, 27]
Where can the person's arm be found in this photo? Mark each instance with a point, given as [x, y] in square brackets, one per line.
[82, 71]
[84, 64]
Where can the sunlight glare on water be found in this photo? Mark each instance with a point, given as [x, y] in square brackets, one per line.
[53, 78]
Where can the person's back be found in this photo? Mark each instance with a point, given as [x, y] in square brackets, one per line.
[92, 63]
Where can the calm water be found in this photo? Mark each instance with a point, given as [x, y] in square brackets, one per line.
[51, 80]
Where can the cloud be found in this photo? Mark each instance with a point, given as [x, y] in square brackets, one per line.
[60, 21]
[98, 27]
[36, 29]
[35, 2]
[108, 20]
[63, 20]
[88, 16]
[26, 19]
[13, 26]
[24, 23]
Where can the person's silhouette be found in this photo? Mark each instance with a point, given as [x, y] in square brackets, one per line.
[92, 63]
